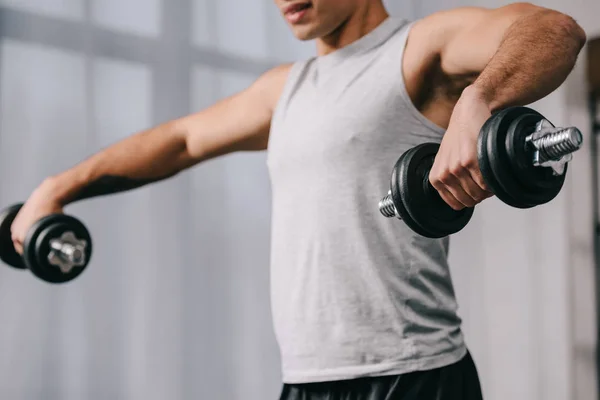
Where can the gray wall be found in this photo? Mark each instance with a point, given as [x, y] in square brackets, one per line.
[175, 304]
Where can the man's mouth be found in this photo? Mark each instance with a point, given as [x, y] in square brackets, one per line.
[295, 12]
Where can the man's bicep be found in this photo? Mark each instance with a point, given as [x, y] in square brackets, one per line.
[427, 40]
[475, 34]
[233, 124]
[240, 122]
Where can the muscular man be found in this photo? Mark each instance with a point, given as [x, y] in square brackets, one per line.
[363, 308]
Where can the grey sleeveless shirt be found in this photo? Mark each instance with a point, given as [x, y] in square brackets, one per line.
[353, 293]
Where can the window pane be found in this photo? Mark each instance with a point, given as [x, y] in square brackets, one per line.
[204, 87]
[240, 27]
[233, 82]
[203, 23]
[135, 16]
[210, 85]
[68, 9]
[122, 98]
[43, 115]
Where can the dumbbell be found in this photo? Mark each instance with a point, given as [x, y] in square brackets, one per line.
[56, 249]
[523, 159]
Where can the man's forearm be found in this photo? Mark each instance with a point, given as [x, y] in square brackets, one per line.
[536, 55]
[138, 160]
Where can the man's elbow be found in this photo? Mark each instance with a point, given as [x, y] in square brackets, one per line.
[574, 30]
[569, 28]
[565, 24]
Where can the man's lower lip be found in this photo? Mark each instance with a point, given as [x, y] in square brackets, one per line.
[295, 17]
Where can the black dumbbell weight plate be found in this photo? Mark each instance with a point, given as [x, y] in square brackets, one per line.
[423, 209]
[36, 247]
[486, 148]
[396, 194]
[531, 184]
[8, 254]
[505, 163]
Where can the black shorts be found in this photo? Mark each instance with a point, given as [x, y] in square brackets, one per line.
[458, 381]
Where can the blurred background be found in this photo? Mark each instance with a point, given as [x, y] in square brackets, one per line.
[175, 304]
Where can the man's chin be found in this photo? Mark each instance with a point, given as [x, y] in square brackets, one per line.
[304, 33]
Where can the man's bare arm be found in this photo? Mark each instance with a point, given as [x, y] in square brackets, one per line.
[238, 123]
[521, 52]
[513, 55]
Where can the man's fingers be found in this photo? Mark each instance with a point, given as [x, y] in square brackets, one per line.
[17, 243]
[18, 247]
[454, 185]
[477, 177]
[472, 181]
[450, 199]
[460, 182]
[472, 189]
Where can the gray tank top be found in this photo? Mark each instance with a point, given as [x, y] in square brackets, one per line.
[353, 293]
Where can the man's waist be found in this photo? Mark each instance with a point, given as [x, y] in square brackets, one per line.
[330, 362]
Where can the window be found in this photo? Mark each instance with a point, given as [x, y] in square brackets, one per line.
[64, 9]
[134, 52]
[36, 118]
[141, 17]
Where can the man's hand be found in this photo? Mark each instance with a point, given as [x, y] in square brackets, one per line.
[40, 204]
[455, 173]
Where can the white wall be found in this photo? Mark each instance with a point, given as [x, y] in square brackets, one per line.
[525, 278]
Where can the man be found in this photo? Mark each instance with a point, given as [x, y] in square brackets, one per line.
[363, 308]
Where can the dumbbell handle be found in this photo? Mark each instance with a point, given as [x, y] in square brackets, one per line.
[553, 144]
[67, 252]
[387, 207]
[74, 254]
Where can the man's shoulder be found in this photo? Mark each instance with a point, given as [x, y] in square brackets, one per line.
[272, 82]
[279, 72]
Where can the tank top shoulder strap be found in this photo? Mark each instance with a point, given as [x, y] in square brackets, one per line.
[394, 55]
[296, 76]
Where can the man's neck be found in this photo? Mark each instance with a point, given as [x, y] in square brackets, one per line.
[357, 26]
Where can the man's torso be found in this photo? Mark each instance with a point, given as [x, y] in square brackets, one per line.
[353, 294]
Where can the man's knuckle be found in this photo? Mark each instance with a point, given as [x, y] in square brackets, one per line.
[445, 177]
[467, 162]
[457, 169]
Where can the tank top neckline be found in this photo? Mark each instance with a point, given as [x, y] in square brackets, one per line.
[367, 42]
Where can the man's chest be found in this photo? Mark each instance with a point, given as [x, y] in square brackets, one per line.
[330, 125]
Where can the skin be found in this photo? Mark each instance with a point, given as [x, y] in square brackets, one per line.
[459, 67]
